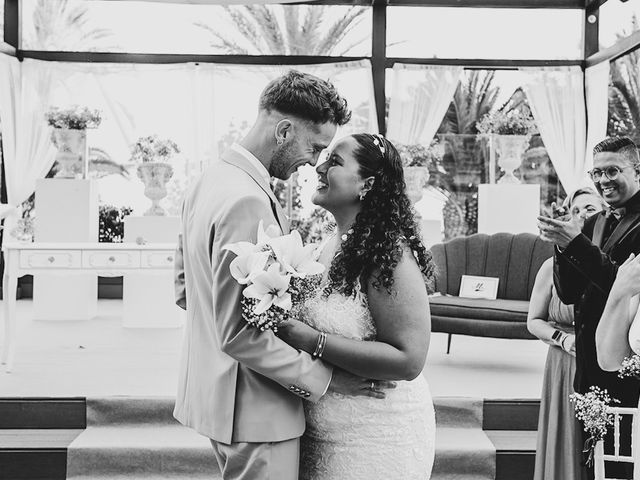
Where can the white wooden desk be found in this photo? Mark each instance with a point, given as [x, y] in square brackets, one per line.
[104, 259]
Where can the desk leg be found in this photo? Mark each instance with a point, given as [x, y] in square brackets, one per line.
[9, 287]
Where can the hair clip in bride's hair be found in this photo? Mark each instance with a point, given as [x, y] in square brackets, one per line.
[378, 142]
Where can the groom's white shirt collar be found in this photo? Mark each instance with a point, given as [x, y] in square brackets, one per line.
[253, 160]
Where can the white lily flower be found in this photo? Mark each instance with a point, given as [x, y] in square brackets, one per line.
[246, 267]
[242, 249]
[247, 248]
[265, 236]
[270, 288]
[297, 259]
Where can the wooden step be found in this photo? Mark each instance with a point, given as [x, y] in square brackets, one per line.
[35, 434]
[30, 454]
[515, 453]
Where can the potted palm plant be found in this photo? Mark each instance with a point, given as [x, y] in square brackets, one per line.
[153, 153]
[511, 133]
[69, 136]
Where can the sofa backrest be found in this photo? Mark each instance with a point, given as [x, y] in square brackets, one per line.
[514, 258]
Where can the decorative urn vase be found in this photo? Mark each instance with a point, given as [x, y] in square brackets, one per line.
[415, 178]
[510, 149]
[155, 176]
[71, 145]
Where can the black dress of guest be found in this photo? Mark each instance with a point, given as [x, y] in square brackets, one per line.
[583, 275]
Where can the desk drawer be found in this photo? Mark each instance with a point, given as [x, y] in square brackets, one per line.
[50, 259]
[157, 259]
[101, 259]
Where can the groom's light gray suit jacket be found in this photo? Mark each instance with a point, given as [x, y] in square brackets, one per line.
[236, 384]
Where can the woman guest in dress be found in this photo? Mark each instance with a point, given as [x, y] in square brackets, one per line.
[559, 445]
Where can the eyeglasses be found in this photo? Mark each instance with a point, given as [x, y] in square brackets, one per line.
[611, 172]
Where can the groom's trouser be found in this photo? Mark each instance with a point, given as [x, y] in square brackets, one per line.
[258, 461]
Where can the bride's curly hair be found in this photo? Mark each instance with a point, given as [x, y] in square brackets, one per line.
[382, 228]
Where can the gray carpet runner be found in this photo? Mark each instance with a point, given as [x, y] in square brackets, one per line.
[137, 438]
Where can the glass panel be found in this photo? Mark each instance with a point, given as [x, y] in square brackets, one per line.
[199, 115]
[101, 25]
[449, 207]
[450, 200]
[618, 20]
[439, 32]
[624, 97]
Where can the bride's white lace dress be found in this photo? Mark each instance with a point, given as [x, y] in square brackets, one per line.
[362, 437]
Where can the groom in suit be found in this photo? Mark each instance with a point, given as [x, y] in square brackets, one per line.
[238, 386]
[585, 265]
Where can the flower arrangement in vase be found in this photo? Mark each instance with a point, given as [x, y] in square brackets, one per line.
[153, 153]
[418, 161]
[511, 132]
[70, 136]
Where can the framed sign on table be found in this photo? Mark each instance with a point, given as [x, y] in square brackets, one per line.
[472, 286]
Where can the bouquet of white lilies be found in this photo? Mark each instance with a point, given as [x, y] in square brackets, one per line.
[278, 271]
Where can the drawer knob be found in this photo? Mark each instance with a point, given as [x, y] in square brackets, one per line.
[51, 259]
[169, 258]
[112, 258]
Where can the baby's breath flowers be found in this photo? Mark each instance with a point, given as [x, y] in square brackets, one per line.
[630, 367]
[592, 410]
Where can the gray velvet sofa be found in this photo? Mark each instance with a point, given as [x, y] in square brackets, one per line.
[514, 258]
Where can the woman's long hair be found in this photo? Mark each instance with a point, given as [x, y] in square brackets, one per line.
[385, 224]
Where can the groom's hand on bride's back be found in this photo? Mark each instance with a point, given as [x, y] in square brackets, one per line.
[353, 386]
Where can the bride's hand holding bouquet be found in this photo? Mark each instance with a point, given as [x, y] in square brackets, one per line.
[278, 271]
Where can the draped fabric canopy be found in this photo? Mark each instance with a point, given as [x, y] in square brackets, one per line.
[556, 96]
[419, 100]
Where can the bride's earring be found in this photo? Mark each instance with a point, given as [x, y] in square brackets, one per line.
[362, 195]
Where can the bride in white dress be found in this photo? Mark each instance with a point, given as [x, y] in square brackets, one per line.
[370, 319]
[618, 333]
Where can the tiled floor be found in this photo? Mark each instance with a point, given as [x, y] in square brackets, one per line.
[100, 357]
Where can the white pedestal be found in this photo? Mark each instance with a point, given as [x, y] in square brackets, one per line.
[508, 208]
[431, 230]
[67, 211]
[148, 298]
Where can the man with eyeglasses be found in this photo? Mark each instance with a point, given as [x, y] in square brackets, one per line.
[585, 265]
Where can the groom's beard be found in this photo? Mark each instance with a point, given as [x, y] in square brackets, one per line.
[281, 162]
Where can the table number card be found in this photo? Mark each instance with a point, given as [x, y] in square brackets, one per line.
[472, 286]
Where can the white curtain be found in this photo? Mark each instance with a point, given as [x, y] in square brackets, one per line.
[597, 95]
[27, 150]
[419, 100]
[556, 96]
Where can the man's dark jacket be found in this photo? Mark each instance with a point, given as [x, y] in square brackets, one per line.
[583, 275]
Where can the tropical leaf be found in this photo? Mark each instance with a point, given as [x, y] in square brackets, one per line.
[302, 31]
[62, 25]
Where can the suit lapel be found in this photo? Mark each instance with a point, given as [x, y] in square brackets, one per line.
[235, 158]
[598, 229]
[626, 224]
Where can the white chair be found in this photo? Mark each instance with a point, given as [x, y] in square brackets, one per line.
[600, 456]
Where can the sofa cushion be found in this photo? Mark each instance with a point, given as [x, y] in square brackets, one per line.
[479, 308]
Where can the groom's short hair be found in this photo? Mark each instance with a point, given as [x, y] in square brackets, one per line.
[305, 96]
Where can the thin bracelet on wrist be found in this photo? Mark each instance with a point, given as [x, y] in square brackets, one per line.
[319, 350]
